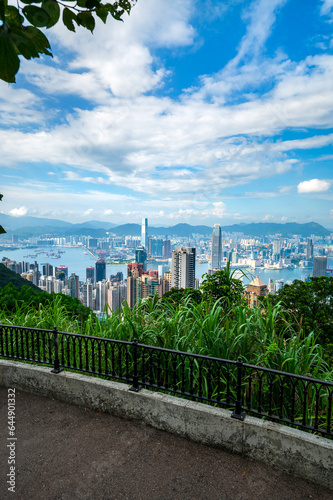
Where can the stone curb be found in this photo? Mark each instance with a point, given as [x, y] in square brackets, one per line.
[292, 450]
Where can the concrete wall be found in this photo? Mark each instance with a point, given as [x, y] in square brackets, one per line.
[294, 451]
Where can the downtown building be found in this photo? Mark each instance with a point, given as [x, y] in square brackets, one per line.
[216, 255]
[141, 284]
[144, 233]
[319, 266]
[183, 268]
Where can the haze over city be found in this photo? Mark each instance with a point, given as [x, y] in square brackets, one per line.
[189, 111]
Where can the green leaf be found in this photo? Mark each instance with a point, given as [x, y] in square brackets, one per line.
[2, 10]
[86, 20]
[31, 1]
[22, 43]
[91, 4]
[13, 16]
[102, 13]
[36, 16]
[53, 10]
[115, 13]
[10, 62]
[67, 18]
[39, 40]
[30, 41]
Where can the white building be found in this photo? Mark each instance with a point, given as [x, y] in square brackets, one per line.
[183, 268]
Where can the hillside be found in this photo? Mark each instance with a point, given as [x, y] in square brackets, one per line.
[7, 276]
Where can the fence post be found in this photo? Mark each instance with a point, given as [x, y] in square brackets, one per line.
[135, 387]
[56, 363]
[238, 413]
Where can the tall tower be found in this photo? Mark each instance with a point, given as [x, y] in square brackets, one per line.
[183, 268]
[309, 250]
[216, 247]
[88, 294]
[144, 233]
[319, 266]
[73, 285]
[100, 270]
[141, 255]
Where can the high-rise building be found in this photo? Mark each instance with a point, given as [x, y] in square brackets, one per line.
[141, 255]
[100, 270]
[144, 233]
[100, 296]
[116, 296]
[309, 250]
[61, 273]
[183, 268]
[319, 266]
[216, 247]
[88, 294]
[92, 243]
[47, 270]
[166, 249]
[90, 273]
[73, 285]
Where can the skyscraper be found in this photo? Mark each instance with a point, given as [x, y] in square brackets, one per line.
[216, 247]
[73, 285]
[88, 294]
[100, 270]
[141, 255]
[183, 268]
[309, 250]
[144, 233]
[319, 266]
[90, 274]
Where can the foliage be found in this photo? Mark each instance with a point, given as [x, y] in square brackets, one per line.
[311, 304]
[7, 276]
[224, 287]
[1, 228]
[177, 296]
[31, 303]
[20, 34]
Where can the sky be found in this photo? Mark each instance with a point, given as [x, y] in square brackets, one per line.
[190, 111]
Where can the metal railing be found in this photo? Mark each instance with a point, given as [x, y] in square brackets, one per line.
[290, 399]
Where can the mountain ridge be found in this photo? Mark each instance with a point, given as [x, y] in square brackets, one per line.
[98, 229]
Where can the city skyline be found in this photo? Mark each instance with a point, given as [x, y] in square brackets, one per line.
[201, 113]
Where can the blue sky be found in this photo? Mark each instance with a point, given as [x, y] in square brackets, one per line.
[194, 111]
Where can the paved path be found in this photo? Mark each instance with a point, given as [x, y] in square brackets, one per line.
[71, 453]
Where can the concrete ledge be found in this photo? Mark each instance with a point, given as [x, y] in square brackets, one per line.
[294, 451]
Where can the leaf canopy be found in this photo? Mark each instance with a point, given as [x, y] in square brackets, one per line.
[19, 26]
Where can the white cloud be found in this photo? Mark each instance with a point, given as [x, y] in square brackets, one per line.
[327, 6]
[88, 212]
[18, 212]
[313, 186]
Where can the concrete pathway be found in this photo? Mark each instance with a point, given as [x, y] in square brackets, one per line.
[72, 453]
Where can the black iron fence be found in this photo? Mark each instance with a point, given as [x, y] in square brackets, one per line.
[301, 402]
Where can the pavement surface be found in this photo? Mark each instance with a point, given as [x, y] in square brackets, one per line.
[68, 452]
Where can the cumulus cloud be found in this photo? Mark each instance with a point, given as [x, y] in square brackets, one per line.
[88, 212]
[313, 186]
[18, 212]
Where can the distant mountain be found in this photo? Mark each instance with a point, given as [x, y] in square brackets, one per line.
[34, 226]
[11, 223]
[286, 230]
[254, 229]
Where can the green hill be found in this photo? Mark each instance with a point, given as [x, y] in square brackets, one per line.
[7, 276]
